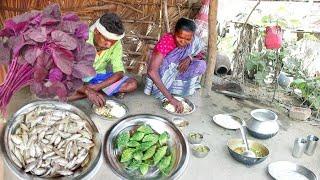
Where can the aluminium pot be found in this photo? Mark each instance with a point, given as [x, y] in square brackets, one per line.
[263, 124]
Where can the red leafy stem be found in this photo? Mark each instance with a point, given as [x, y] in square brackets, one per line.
[18, 77]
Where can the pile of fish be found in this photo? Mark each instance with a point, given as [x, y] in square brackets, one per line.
[51, 142]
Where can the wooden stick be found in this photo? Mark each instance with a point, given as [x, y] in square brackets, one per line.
[137, 21]
[212, 46]
[124, 5]
[165, 14]
[142, 37]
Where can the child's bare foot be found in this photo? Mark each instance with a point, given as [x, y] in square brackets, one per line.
[120, 95]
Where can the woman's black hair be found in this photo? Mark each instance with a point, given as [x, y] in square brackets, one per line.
[186, 25]
[112, 23]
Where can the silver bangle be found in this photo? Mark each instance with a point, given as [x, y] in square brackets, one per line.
[190, 57]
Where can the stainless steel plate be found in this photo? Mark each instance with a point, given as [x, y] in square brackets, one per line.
[110, 101]
[290, 171]
[228, 121]
[193, 107]
[14, 122]
[177, 143]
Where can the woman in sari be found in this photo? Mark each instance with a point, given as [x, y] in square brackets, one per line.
[174, 68]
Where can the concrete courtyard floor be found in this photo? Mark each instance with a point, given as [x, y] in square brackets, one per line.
[218, 164]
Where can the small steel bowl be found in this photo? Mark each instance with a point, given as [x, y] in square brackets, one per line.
[195, 140]
[200, 154]
[238, 143]
[180, 122]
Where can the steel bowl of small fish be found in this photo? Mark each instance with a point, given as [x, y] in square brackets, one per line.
[176, 143]
[188, 106]
[50, 139]
[236, 149]
[112, 110]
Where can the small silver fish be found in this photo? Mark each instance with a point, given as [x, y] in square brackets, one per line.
[16, 139]
[31, 166]
[39, 171]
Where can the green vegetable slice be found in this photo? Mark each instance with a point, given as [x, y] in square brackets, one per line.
[146, 145]
[123, 139]
[138, 155]
[150, 137]
[144, 168]
[127, 155]
[145, 129]
[137, 136]
[149, 153]
[159, 154]
[134, 165]
[133, 144]
[163, 138]
[164, 162]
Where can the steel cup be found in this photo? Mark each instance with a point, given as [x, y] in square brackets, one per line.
[311, 144]
[299, 147]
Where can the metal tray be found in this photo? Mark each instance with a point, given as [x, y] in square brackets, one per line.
[112, 118]
[13, 122]
[228, 121]
[290, 170]
[178, 144]
[193, 107]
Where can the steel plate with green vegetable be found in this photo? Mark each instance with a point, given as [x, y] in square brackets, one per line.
[146, 147]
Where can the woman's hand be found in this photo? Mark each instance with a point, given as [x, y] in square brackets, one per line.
[177, 105]
[95, 97]
[184, 65]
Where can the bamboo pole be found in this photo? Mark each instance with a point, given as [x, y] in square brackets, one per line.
[212, 43]
[165, 14]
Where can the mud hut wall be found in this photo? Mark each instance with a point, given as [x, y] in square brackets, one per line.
[143, 20]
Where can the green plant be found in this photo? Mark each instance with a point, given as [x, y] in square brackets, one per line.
[310, 88]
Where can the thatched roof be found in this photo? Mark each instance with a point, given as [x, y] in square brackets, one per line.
[143, 19]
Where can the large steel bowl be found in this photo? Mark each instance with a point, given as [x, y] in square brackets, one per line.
[12, 124]
[177, 143]
[238, 143]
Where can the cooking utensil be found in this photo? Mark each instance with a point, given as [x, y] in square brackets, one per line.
[227, 121]
[235, 144]
[263, 124]
[192, 106]
[247, 152]
[111, 102]
[177, 145]
[200, 150]
[81, 172]
[195, 138]
[299, 147]
[289, 170]
[311, 144]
